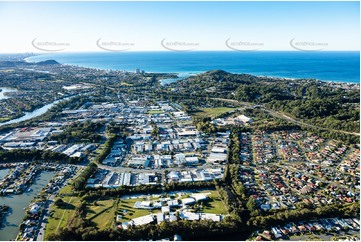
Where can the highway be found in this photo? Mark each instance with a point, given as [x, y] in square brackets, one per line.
[284, 116]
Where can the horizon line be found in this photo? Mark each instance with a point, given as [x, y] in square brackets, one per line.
[241, 51]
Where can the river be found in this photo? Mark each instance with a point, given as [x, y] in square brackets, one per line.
[35, 113]
[28, 115]
[17, 203]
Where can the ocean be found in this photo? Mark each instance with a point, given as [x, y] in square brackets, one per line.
[337, 66]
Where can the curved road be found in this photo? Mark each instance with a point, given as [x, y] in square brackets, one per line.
[284, 116]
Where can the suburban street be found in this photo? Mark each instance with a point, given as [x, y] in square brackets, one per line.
[44, 219]
[51, 199]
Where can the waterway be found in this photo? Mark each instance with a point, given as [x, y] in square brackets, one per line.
[3, 173]
[6, 89]
[181, 76]
[17, 203]
[35, 113]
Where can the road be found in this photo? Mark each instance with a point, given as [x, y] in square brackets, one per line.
[284, 116]
[311, 175]
[159, 170]
[44, 218]
[296, 121]
[45, 215]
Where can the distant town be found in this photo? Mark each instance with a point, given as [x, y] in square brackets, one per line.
[212, 156]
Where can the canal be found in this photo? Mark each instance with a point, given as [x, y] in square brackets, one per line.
[3, 173]
[17, 203]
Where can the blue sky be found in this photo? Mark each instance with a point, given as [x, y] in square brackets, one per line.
[205, 25]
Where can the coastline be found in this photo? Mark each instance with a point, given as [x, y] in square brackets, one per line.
[177, 70]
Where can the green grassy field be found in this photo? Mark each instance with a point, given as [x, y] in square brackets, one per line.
[126, 84]
[102, 213]
[212, 112]
[155, 111]
[95, 208]
[214, 204]
[64, 215]
[4, 119]
[128, 204]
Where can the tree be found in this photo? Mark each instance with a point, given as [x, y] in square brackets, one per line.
[251, 204]
[155, 130]
[81, 180]
[59, 202]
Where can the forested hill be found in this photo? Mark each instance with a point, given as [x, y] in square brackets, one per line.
[327, 104]
[24, 63]
[47, 62]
